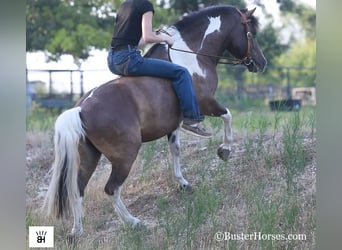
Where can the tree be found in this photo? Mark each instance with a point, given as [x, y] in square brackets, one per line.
[76, 27]
[185, 6]
[182, 6]
[68, 27]
[301, 53]
[268, 40]
[305, 16]
[60, 27]
[302, 56]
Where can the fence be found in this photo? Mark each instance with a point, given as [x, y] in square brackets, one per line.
[62, 88]
[285, 84]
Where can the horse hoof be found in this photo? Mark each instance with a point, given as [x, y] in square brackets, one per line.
[223, 152]
[135, 223]
[139, 226]
[71, 239]
[187, 188]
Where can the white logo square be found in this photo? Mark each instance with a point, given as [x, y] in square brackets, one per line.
[41, 237]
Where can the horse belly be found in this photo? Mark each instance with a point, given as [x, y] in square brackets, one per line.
[156, 129]
[159, 120]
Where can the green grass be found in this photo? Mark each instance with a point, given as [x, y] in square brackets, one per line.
[41, 119]
[266, 186]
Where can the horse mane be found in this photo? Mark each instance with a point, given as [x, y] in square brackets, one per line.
[200, 16]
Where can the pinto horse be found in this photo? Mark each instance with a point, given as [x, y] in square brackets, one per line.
[115, 118]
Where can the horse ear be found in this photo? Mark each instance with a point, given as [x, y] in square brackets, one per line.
[249, 13]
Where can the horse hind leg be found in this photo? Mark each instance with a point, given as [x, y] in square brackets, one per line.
[120, 171]
[89, 157]
[174, 144]
[121, 166]
[122, 211]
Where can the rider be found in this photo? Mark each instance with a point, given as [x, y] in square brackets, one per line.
[133, 29]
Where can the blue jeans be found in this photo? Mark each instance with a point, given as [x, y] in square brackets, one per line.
[129, 62]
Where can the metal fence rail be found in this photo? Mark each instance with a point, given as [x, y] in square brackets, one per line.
[62, 88]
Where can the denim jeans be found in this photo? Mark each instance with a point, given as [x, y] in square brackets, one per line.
[129, 62]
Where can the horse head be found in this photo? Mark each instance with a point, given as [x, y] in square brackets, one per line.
[218, 28]
[243, 43]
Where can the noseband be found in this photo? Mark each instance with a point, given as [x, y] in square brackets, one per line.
[247, 60]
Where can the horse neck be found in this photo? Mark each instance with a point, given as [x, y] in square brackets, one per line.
[214, 38]
[211, 40]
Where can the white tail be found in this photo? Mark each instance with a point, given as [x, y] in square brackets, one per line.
[63, 193]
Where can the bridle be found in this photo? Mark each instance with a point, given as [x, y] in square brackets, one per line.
[247, 60]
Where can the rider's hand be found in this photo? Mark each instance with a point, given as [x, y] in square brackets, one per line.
[170, 41]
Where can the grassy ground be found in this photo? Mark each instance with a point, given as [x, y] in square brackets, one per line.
[267, 189]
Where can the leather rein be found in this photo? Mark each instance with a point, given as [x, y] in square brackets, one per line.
[247, 60]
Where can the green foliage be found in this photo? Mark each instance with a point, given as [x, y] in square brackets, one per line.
[68, 27]
[268, 39]
[186, 6]
[286, 5]
[199, 208]
[302, 54]
[41, 119]
[307, 19]
[294, 152]
[163, 16]
[306, 16]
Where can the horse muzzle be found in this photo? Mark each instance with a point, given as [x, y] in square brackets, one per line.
[254, 65]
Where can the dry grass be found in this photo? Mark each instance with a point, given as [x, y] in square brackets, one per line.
[255, 191]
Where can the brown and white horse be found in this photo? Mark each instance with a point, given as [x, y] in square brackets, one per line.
[115, 118]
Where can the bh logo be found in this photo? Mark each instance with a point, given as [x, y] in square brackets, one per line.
[41, 237]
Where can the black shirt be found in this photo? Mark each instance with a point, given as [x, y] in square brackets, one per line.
[127, 29]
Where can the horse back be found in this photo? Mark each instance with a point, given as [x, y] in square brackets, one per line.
[128, 104]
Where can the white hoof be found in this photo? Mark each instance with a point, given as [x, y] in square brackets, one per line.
[135, 222]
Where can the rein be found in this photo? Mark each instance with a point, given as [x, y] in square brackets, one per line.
[230, 60]
[247, 60]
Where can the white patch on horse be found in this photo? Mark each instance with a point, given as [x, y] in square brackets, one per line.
[187, 60]
[122, 211]
[77, 229]
[91, 94]
[214, 25]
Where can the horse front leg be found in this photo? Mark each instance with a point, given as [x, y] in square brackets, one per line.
[211, 107]
[225, 148]
[174, 144]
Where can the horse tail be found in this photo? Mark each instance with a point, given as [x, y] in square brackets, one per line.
[63, 191]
